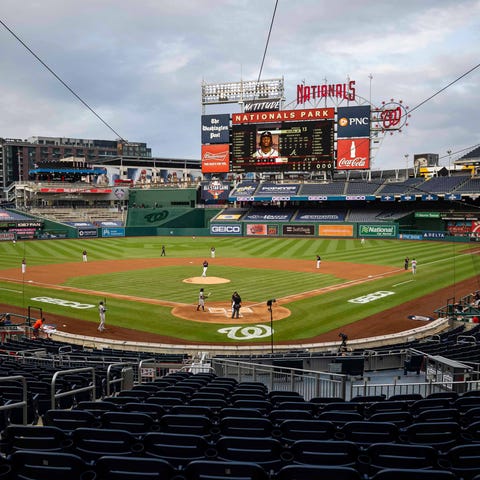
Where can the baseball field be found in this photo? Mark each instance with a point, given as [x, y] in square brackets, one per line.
[362, 289]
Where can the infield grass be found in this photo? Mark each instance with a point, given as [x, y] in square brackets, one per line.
[439, 265]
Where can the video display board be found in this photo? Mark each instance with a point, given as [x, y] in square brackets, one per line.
[301, 140]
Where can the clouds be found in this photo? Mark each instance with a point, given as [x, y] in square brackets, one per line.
[140, 65]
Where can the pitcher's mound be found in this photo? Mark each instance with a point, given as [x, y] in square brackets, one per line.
[206, 280]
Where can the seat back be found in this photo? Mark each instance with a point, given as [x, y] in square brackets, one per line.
[325, 452]
[93, 443]
[133, 468]
[379, 456]
[27, 437]
[178, 449]
[309, 472]
[293, 430]
[29, 465]
[266, 452]
[217, 470]
[69, 420]
[134, 422]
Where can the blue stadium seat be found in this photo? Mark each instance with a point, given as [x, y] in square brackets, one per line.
[133, 468]
[293, 430]
[29, 465]
[367, 432]
[266, 452]
[178, 449]
[309, 472]
[69, 420]
[217, 470]
[325, 452]
[93, 443]
[379, 456]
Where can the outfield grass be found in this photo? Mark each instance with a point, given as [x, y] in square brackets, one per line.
[439, 265]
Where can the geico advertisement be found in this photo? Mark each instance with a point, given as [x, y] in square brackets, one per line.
[225, 229]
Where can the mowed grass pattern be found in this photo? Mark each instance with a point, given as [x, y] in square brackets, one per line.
[439, 265]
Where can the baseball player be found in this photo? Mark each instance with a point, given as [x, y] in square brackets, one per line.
[205, 267]
[414, 266]
[101, 312]
[319, 261]
[84, 256]
[201, 300]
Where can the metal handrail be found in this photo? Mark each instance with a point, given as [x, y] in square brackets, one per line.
[89, 388]
[23, 403]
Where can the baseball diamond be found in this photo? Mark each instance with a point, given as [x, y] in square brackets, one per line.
[362, 290]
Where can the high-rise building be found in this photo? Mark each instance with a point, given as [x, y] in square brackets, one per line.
[18, 157]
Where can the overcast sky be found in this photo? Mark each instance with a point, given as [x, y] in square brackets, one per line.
[140, 65]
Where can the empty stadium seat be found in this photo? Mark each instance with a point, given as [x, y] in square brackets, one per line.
[266, 452]
[379, 456]
[178, 449]
[218, 470]
[133, 468]
[29, 465]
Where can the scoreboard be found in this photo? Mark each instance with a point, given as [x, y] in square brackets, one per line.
[302, 145]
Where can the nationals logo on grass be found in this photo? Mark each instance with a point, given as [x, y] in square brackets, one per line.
[247, 333]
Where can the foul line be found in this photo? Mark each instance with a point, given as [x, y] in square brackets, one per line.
[401, 283]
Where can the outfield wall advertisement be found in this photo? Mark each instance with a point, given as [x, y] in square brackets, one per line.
[378, 231]
[225, 229]
[336, 230]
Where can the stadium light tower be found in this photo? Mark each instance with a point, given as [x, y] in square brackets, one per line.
[449, 160]
[406, 166]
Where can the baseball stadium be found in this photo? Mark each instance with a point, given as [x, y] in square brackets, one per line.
[357, 324]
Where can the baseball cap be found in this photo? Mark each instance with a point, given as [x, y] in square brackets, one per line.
[266, 134]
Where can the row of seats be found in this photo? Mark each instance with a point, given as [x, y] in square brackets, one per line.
[59, 466]
[338, 413]
[88, 447]
[441, 434]
[268, 453]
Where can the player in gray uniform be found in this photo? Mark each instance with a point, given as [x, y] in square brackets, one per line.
[201, 300]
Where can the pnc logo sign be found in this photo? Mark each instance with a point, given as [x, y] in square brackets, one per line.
[345, 122]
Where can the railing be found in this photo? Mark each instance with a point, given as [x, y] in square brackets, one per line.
[126, 371]
[23, 402]
[90, 388]
[307, 383]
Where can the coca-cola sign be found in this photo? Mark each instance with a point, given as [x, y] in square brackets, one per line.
[353, 154]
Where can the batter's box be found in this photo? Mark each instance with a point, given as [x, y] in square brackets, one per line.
[228, 312]
[217, 311]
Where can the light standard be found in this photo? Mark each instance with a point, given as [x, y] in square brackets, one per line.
[406, 166]
[449, 159]
[270, 309]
